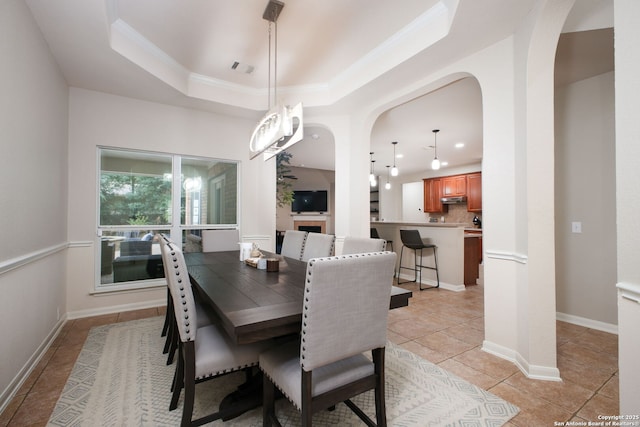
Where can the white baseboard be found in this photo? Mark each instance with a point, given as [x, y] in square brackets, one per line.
[546, 373]
[116, 309]
[588, 323]
[17, 382]
[443, 285]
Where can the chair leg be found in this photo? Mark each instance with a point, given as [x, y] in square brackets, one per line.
[170, 320]
[435, 267]
[305, 400]
[165, 326]
[189, 367]
[173, 343]
[178, 382]
[189, 395]
[400, 267]
[435, 260]
[268, 401]
[167, 342]
[381, 412]
[418, 267]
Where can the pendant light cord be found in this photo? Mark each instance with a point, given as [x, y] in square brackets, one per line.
[275, 66]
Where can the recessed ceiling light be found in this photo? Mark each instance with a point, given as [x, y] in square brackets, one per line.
[399, 156]
[459, 145]
[444, 163]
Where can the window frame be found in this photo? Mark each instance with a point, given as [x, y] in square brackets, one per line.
[175, 227]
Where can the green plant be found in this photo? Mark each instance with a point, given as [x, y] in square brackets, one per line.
[284, 187]
[139, 220]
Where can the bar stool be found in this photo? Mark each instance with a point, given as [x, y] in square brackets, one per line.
[375, 235]
[412, 240]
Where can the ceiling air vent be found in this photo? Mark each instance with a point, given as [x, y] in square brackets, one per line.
[243, 68]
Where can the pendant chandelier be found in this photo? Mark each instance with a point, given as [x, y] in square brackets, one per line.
[394, 169]
[372, 176]
[387, 186]
[281, 126]
[435, 163]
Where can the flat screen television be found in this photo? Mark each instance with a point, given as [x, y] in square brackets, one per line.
[309, 201]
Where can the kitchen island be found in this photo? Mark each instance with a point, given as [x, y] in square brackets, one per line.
[450, 240]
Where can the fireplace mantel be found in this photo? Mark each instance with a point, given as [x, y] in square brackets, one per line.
[310, 221]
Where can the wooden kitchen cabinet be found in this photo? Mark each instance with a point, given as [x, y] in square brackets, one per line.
[432, 196]
[453, 186]
[474, 192]
[471, 259]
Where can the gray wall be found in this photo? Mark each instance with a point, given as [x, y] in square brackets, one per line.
[33, 193]
[585, 192]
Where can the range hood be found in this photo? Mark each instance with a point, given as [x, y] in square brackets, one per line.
[453, 200]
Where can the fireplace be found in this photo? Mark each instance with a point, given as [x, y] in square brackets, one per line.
[310, 228]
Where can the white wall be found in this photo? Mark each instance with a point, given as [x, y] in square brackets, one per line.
[627, 65]
[585, 192]
[98, 119]
[33, 194]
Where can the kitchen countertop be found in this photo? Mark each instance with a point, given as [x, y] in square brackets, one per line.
[424, 224]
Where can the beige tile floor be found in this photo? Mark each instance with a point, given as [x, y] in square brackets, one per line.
[444, 327]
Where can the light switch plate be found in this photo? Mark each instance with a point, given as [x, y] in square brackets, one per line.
[576, 227]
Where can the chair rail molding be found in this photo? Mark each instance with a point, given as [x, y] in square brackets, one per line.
[629, 291]
[507, 256]
[25, 259]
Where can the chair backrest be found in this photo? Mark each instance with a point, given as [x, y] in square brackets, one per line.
[361, 245]
[135, 247]
[180, 288]
[358, 289]
[318, 245]
[293, 243]
[411, 239]
[164, 241]
[220, 240]
[374, 233]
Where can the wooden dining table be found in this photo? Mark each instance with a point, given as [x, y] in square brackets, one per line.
[255, 304]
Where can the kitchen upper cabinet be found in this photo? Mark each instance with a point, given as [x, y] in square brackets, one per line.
[432, 196]
[453, 186]
[474, 192]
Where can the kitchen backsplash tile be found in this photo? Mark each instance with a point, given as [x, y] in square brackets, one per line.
[458, 214]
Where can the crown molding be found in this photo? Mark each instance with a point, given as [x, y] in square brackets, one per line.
[423, 32]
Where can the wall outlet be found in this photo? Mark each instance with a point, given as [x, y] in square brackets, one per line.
[576, 227]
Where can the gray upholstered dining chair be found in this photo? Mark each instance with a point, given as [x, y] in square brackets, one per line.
[293, 243]
[327, 366]
[204, 352]
[167, 327]
[318, 245]
[373, 233]
[205, 317]
[360, 245]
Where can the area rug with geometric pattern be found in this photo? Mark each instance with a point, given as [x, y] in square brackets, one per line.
[121, 379]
